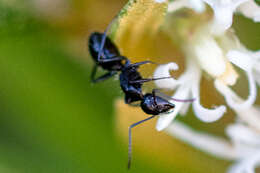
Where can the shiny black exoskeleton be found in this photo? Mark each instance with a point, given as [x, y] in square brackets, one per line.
[133, 91]
[155, 105]
[105, 55]
[131, 81]
[110, 59]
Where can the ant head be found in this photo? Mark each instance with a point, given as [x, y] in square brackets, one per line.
[155, 105]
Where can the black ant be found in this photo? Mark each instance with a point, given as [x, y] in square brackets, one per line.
[106, 55]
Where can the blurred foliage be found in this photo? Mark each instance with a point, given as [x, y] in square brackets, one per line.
[258, 2]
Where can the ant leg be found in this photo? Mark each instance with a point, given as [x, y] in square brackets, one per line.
[104, 77]
[154, 96]
[105, 36]
[147, 80]
[170, 98]
[142, 63]
[111, 59]
[134, 104]
[130, 138]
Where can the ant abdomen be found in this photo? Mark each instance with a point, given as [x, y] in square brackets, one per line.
[95, 42]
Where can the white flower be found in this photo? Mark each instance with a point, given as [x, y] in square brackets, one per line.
[251, 10]
[160, 1]
[250, 63]
[247, 60]
[196, 5]
[243, 145]
[245, 137]
[223, 14]
[210, 144]
[223, 11]
[213, 50]
[214, 57]
[187, 87]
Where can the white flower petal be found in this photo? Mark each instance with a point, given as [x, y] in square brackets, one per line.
[250, 116]
[160, 1]
[204, 114]
[257, 54]
[251, 10]
[241, 59]
[223, 20]
[232, 99]
[254, 161]
[164, 71]
[165, 119]
[257, 77]
[210, 2]
[247, 60]
[239, 167]
[184, 109]
[257, 66]
[176, 5]
[229, 41]
[237, 3]
[246, 165]
[208, 115]
[210, 56]
[223, 14]
[197, 5]
[243, 134]
[257, 17]
[202, 141]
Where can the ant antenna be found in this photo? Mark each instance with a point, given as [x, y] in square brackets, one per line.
[183, 100]
[142, 63]
[130, 139]
[148, 80]
[174, 99]
[104, 37]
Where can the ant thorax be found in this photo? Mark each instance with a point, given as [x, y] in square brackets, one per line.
[133, 91]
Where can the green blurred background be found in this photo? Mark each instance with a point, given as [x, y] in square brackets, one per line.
[52, 119]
